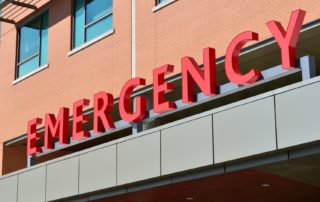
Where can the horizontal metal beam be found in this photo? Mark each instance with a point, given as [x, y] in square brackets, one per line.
[120, 125]
[5, 3]
[16, 3]
[7, 20]
[22, 4]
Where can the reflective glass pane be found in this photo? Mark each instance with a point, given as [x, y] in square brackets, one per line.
[29, 39]
[99, 28]
[44, 39]
[28, 66]
[78, 23]
[96, 9]
[0, 26]
[162, 1]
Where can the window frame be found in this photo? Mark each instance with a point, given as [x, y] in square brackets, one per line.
[161, 5]
[18, 40]
[109, 12]
[158, 2]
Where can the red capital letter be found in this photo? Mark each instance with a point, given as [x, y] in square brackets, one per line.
[124, 101]
[56, 128]
[191, 73]
[160, 88]
[102, 119]
[232, 57]
[78, 118]
[287, 40]
[32, 148]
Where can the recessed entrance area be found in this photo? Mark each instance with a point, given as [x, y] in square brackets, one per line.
[295, 180]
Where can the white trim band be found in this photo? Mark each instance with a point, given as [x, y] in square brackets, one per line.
[30, 74]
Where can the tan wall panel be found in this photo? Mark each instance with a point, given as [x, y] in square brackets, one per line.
[138, 159]
[98, 169]
[8, 189]
[32, 185]
[62, 179]
[298, 116]
[187, 146]
[244, 131]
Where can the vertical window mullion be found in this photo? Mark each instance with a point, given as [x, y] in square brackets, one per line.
[39, 41]
[85, 21]
[79, 22]
[44, 39]
[73, 38]
[74, 25]
[18, 53]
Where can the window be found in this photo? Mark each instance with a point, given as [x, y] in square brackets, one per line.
[160, 1]
[0, 24]
[33, 45]
[92, 18]
[161, 4]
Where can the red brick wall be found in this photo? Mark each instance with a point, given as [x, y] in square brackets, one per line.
[185, 27]
[104, 65]
[182, 28]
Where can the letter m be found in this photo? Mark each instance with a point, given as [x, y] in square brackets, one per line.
[56, 128]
